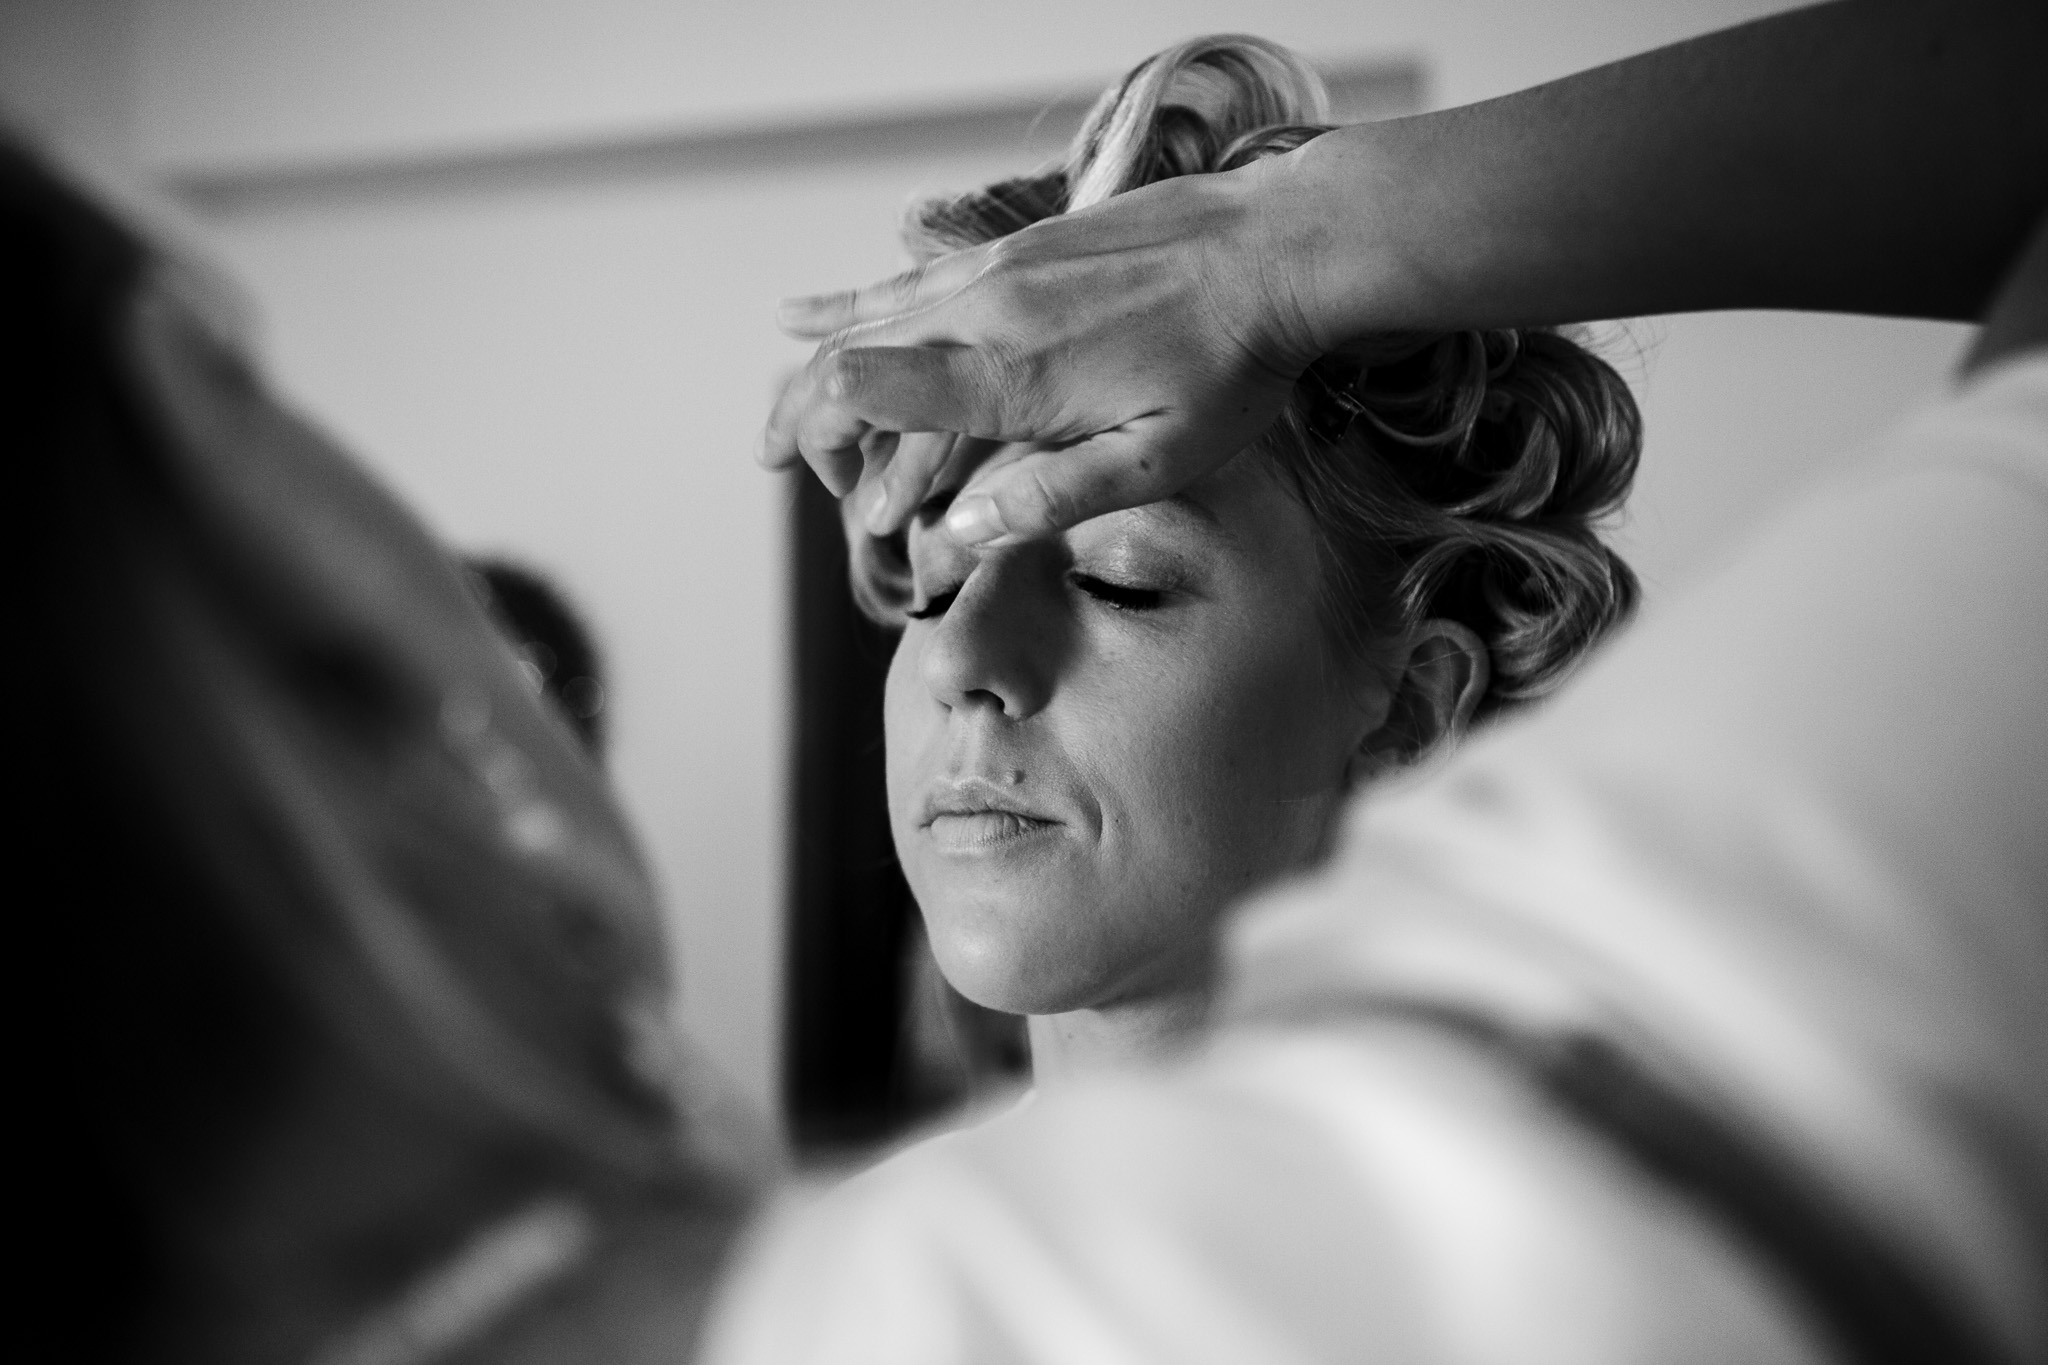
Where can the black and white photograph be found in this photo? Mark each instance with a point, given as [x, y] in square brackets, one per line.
[1095, 682]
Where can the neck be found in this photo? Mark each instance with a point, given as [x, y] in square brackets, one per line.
[1139, 1033]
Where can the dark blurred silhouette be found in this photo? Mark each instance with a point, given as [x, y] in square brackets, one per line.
[553, 642]
[875, 1042]
[367, 1035]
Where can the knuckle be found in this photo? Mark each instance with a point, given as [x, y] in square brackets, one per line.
[905, 287]
[840, 372]
[990, 377]
[1002, 359]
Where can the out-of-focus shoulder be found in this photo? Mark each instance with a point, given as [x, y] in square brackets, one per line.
[1997, 422]
[974, 1118]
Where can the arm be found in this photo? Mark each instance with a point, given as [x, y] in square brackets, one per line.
[1880, 157]
[1867, 158]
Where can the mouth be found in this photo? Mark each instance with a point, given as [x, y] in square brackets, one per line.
[971, 815]
[970, 831]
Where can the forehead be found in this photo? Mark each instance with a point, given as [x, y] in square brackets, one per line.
[1244, 507]
[1246, 501]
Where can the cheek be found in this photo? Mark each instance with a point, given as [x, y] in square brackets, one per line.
[908, 719]
[1232, 764]
[1208, 766]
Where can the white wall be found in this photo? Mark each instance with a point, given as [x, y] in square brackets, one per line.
[571, 365]
[1744, 410]
[253, 82]
[68, 73]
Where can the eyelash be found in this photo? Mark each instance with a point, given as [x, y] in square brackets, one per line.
[1113, 595]
[1116, 595]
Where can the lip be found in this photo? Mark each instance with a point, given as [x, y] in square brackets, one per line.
[973, 814]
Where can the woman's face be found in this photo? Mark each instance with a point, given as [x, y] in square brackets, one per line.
[1098, 742]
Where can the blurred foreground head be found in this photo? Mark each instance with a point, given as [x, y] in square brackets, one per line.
[373, 1055]
[553, 643]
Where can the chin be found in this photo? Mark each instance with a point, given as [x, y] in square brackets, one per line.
[994, 976]
[1007, 996]
[1001, 970]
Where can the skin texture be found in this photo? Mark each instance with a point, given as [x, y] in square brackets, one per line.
[1884, 157]
[1100, 740]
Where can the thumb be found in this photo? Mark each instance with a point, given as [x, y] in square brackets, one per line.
[1050, 490]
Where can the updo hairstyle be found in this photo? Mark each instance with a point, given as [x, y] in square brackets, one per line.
[1461, 475]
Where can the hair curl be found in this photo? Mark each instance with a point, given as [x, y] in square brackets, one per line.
[1463, 475]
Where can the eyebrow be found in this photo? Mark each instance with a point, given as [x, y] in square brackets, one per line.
[1186, 507]
[1189, 502]
[1182, 505]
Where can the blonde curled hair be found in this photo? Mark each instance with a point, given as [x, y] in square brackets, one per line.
[1461, 475]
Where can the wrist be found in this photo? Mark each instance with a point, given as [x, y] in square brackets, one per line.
[1282, 238]
[1330, 237]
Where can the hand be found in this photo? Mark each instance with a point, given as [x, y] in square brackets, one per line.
[1137, 344]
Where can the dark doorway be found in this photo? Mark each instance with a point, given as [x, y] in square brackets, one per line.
[875, 1040]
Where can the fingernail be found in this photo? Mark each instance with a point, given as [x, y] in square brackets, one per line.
[975, 519]
[877, 518]
[761, 448]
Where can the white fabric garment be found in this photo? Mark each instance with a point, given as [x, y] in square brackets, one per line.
[1790, 835]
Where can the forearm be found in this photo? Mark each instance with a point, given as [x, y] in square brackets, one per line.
[1870, 157]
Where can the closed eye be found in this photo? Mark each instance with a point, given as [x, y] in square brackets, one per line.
[933, 606]
[1116, 594]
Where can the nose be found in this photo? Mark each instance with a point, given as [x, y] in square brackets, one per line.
[996, 646]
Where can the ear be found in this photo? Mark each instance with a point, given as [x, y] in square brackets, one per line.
[1442, 679]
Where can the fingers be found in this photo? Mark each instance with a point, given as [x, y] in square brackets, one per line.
[820, 315]
[920, 388]
[882, 580]
[825, 412]
[802, 426]
[907, 480]
[1050, 490]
